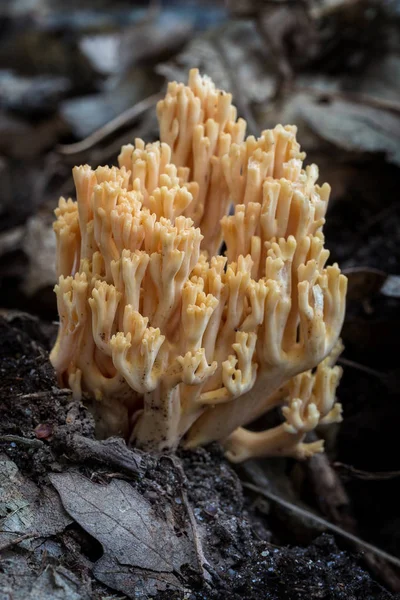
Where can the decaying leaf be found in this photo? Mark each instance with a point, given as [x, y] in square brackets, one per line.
[135, 583]
[39, 246]
[123, 522]
[20, 582]
[356, 128]
[26, 509]
[364, 282]
[139, 545]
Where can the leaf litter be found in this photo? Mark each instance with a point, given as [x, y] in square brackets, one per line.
[131, 533]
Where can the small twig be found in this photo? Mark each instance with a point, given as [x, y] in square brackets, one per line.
[331, 496]
[334, 503]
[16, 511]
[114, 476]
[355, 365]
[365, 475]
[121, 120]
[204, 566]
[17, 439]
[203, 563]
[17, 540]
[324, 523]
[53, 392]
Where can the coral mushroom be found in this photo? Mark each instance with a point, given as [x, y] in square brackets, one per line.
[174, 341]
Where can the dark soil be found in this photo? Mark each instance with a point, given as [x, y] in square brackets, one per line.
[241, 545]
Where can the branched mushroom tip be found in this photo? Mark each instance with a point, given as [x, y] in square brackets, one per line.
[175, 342]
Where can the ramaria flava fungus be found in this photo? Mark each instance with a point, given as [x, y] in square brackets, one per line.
[175, 342]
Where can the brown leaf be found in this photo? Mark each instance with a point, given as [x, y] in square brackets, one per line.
[131, 533]
[352, 473]
[21, 581]
[356, 128]
[364, 282]
[135, 583]
[24, 508]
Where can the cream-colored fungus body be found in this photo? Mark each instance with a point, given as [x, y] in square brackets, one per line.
[176, 342]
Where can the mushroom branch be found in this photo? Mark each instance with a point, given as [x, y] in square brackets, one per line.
[173, 341]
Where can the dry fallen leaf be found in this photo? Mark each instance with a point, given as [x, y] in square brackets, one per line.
[364, 282]
[39, 245]
[24, 508]
[139, 545]
[355, 127]
[20, 581]
[135, 583]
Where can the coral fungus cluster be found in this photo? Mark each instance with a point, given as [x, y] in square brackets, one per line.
[174, 338]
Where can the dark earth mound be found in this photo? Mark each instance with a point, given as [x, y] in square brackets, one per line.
[195, 500]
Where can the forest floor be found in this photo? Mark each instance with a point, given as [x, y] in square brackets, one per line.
[146, 526]
[82, 518]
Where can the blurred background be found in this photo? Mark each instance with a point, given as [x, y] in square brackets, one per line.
[80, 78]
